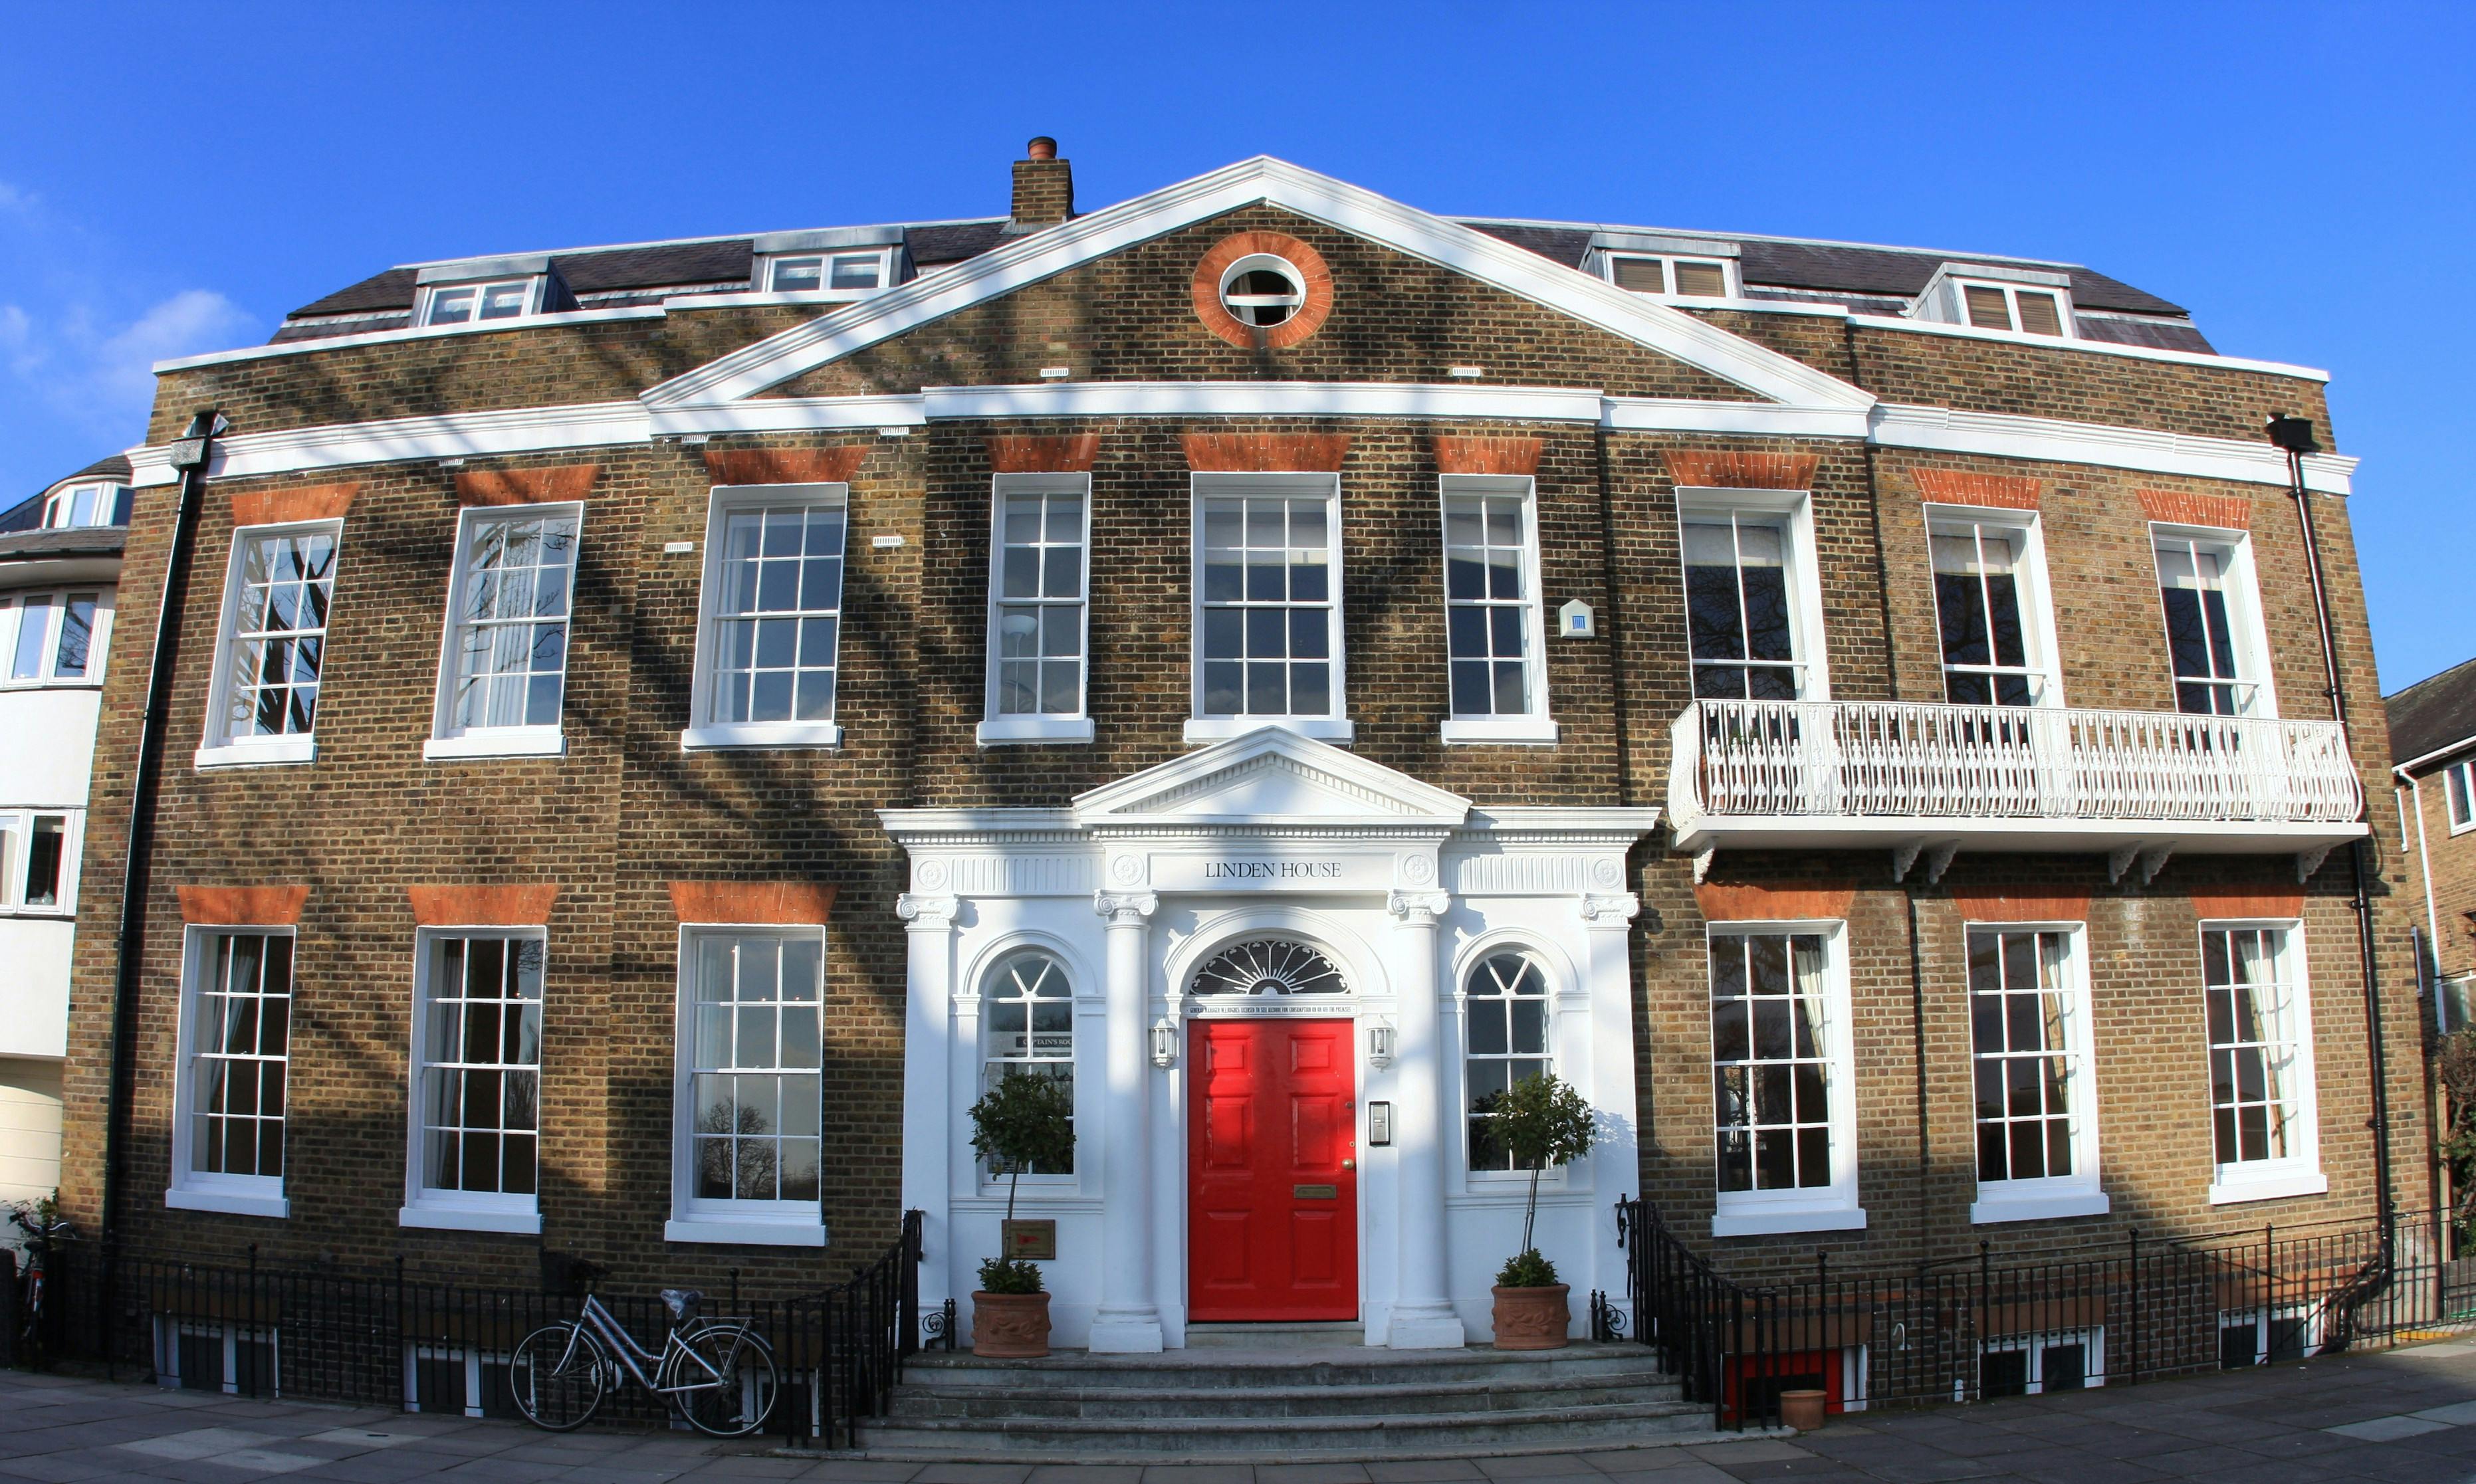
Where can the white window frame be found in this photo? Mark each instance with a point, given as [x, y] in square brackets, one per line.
[1332, 727]
[2244, 607]
[12, 609]
[192, 1190]
[2461, 775]
[1075, 726]
[753, 1223]
[2300, 1173]
[2092, 1338]
[2029, 581]
[2312, 1318]
[170, 1329]
[2045, 1197]
[1833, 1207]
[449, 741]
[16, 843]
[1536, 724]
[534, 285]
[703, 731]
[458, 1210]
[1555, 987]
[1794, 513]
[60, 511]
[1051, 1182]
[469, 1362]
[220, 748]
[2012, 292]
[1729, 285]
[826, 259]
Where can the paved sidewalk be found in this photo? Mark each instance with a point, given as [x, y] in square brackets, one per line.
[2404, 1416]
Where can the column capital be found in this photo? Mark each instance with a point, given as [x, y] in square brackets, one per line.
[928, 911]
[1417, 909]
[1609, 909]
[1126, 909]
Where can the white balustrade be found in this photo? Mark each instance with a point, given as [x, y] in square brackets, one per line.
[1875, 759]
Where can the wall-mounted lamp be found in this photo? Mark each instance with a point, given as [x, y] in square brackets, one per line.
[1164, 1042]
[1379, 1045]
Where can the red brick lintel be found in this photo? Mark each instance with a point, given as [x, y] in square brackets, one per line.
[1268, 453]
[1960, 486]
[525, 905]
[243, 906]
[2006, 905]
[2219, 513]
[785, 465]
[283, 507]
[1740, 468]
[780, 902]
[1456, 454]
[526, 486]
[1746, 901]
[1070, 455]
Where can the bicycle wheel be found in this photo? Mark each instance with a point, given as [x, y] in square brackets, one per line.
[557, 1376]
[722, 1379]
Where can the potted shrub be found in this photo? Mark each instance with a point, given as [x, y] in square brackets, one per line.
[1543, 1122]
[1022, 1122]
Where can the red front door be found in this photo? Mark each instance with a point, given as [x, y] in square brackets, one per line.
[1271, 1176]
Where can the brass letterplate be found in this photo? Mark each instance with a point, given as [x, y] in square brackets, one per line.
[1315, 1192]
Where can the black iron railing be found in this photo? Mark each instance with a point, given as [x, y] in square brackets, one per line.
[1983, 1325]
[425, 1343]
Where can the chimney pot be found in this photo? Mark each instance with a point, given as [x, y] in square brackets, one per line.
[1044, 187]
[1042, 147]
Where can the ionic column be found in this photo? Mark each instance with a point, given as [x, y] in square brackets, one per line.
[1422, 1312]
[928, 1091]
[1130, 1318]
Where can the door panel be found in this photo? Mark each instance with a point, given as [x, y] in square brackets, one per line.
[1273, 1204]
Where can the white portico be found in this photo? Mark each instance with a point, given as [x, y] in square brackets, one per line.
[1269, 925]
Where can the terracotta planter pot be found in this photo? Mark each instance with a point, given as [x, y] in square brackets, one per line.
[1010, 1327]
[1801, 1410]
[1533, 1319]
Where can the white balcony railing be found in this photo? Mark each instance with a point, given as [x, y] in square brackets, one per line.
[1895, 760]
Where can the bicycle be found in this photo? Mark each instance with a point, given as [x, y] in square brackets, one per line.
[45, 1230]
[717, 1373]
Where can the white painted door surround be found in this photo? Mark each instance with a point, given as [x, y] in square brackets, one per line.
[1137, 886]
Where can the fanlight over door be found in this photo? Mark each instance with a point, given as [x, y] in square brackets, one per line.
[1269, 967]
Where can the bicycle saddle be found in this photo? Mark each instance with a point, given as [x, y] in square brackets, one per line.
[682, 1301]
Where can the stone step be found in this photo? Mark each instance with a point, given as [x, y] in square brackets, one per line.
[1196, 1439]
[1322, 1367]
[1260, 1337]
[1533, 1390]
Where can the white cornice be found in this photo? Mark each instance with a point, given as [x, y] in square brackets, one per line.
[396, 440]
[1759, 419]
[1268, 398]
[791, 414]
[2049, 342]
[1047, 253]
[2001, 436]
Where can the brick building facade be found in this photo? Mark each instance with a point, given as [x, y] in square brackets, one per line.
[1258, 620]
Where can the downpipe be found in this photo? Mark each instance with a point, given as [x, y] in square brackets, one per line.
[2294, 436]
[192, 453]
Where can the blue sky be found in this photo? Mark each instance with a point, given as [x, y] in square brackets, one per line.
[174, 178]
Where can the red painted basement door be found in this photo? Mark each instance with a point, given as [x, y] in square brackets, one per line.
[1273, 1187]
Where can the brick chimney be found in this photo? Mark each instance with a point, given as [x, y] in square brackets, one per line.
[1044, 187]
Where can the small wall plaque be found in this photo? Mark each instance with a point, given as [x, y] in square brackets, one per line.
[1036, 1240]
[1379, 1125]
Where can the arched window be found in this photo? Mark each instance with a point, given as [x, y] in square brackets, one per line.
[1507, 1019]
[1027, 1012]
[1270, 966]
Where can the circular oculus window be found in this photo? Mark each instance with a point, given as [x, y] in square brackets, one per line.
[1262, 290]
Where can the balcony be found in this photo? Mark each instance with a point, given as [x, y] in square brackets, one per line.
[1931, 781]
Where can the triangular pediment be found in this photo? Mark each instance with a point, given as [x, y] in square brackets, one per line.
[1271, 777]
[754, 369]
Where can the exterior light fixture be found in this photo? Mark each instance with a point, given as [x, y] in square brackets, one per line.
[1164, 1042]
[1379, 1045]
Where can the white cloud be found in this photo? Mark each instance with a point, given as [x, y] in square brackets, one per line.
[192, 320]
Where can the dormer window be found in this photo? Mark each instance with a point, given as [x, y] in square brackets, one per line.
[465, 303]
[2004, 307]
[84, 504]
[846, 274]
[1689, 277]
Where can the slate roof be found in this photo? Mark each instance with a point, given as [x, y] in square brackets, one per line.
[2433, 714]
[76, 542]
[1869, 279]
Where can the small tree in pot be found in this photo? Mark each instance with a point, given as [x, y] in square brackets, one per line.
[1543, 1122]
[1025, 1122]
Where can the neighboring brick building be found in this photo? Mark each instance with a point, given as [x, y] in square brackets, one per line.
[59, 560]
[2433, 752]
[1256, 625]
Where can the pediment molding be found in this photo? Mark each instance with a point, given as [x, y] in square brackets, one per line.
[1268, 780]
